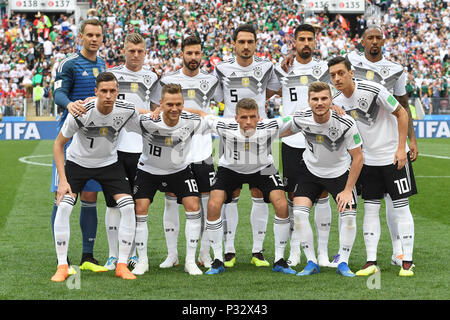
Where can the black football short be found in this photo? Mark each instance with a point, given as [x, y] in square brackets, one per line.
[292, 159]
[265, 180]
[182, 183]
[112, 178]
[311, 186]
[204, 174]
[129, 163]
[378, 180]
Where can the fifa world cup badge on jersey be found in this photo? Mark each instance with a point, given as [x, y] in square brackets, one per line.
[169, 141]
[304, 80]
[369, 75]
[191, 93]
[134, 87]
[95, 72]
[357, 138]
[354, 114]
[319, 138]
[245, 82]
[103, 131]
[247, 146]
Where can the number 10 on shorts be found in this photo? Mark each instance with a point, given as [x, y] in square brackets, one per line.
[402, 185]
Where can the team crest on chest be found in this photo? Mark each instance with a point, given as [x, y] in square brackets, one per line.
[257, 72]
[363, 104]
[118, 121]
[316, 71]
[384, 71]
[333, 133]
[204, 85]
[147, 80]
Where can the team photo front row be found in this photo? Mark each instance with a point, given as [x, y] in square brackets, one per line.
[353, 150]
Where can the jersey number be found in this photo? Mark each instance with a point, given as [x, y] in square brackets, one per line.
[234, 96]
[402, 185]
[154, 150]
[276, 180]
[192, 184]
[293, 94]
[91, 145]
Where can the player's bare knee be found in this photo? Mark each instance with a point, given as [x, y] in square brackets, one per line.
[256, 193]
[191, 204]
[89, 196]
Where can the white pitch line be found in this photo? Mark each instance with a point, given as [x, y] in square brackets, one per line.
[25, 160]
[433, 156]
[445, 177]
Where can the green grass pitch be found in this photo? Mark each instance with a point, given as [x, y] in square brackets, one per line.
[28, 258]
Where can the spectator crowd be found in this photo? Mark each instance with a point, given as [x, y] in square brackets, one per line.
[416, 32]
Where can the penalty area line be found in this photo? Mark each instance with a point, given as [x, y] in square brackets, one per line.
[25, 160]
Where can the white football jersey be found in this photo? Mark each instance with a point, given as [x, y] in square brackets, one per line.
[238, 82]
[197, 93]
[139, 88]
[246, 154]
[166, 148]
[295, 85]
[371, 105]
[326, 155]
[385, 72]
[95, 142]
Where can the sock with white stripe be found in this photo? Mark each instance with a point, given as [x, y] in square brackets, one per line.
[347, 234]
[230, 221]
[127, 227]
[215, 236]
[405, 224]
[301, 223]
[62, 228]
[393, 226]
[141, 238]
[371, 227]
[88, 224]
[204, 242]
[281, 236]
[259, 216]
[112, 222]
[192, 232]
[171, 224]
[322, 222]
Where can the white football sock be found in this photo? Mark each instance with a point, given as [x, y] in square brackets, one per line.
[405, 226]
[322, 222]
[204, 242]
[62, 228]
[230, 221]
[127, 227]
[258, 219]
[215, 235]
[393, 226]
[171, 224]
[112, 221]
[293, 233]
[371, 227]
[141, 239]
[301, 222]
[192, 232]
[347, 234]
[281, 236]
